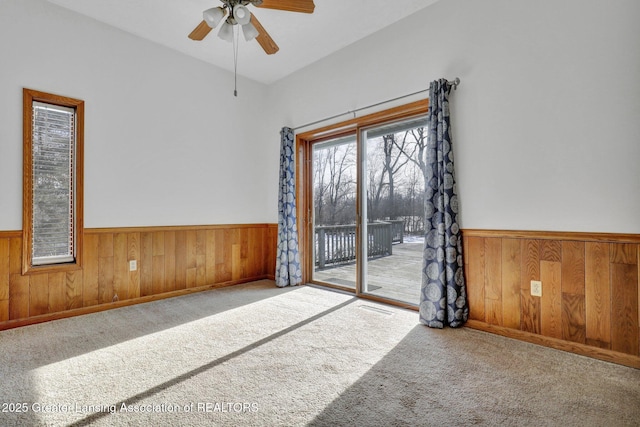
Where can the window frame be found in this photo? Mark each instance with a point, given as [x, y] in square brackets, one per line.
[29, 97]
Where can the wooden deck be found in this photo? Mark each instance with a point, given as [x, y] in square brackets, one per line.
[397, 276]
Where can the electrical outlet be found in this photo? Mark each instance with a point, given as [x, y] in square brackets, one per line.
[133, 265]
[536, 288]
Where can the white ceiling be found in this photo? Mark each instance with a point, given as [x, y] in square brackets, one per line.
[302, 38]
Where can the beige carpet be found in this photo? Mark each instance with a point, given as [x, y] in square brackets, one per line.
[256, 355]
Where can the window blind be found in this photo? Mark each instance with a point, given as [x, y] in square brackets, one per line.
[53, 150]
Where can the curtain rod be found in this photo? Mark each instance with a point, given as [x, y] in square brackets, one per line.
[453, 83]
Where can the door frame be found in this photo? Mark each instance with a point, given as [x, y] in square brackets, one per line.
[304, 143]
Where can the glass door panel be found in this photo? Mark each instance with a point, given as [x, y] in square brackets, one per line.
[393, 210]
[333, 192]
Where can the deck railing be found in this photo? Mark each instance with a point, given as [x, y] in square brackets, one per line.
[397, 229]
[336, 244]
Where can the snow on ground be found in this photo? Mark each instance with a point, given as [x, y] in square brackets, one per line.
[413, 239]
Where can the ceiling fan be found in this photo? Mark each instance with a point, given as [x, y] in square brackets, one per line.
[238, 14]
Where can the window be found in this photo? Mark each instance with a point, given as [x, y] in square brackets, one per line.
[52, 182]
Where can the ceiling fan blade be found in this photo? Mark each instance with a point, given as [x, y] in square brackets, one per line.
[265, 40]
[303, 6]
[200, 31]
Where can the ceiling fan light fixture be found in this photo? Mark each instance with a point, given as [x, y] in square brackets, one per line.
[241, 14]
[226, 32]
[213, 16]
[250, 32]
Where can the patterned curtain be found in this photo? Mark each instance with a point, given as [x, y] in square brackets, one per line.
[288, 271]
[443, 298]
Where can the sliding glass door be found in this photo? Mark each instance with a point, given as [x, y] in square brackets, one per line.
[334, 195]
[393, 210]
[365, 207]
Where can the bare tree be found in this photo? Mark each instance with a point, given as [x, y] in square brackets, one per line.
[334, 180]
[413, 209]
[394, 161]
[341, 180]
[320, 161]
[384, 161]
[415, 151]
[375, 184]
[396, 178]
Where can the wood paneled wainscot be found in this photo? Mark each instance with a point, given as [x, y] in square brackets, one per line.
[590, 297]
[170, 261]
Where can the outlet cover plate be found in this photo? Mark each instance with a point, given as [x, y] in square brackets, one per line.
[536, 288]
[133, 265]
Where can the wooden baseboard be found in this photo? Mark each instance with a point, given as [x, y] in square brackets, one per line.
[9, 324]
[571, 347]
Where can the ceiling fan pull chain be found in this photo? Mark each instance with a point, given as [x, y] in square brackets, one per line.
[235, 60]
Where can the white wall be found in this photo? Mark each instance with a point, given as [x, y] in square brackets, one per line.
[546, 121]
[166, 142]
[546, 128]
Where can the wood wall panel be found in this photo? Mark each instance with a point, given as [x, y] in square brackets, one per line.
[15, 255]
[181, 260]
[223, 256]
[145, 265]
[573, 318]
[192, 243]
[57, 292]
[120, 267]
[90, 270]
[573, 265]
[157, 274]
[511, 282]
[270, 251]
[73, 290]
[236, 261]
[105, 279]
[4, 271]
[590, 286]
[133, 253]
[192, 275]
[169, 259]
[551, 250]
[551, 301]
[192, 258]
[474, 273]
[18, 296]
[573, 290]
[201, 258]
[158, 243]
[624, 308]
[624, 253]
[493, 269]
[493, 312]
[530, 315]
[4, 310]
[39, 295]
[256, 244]
[105, 245]
[244, 251]
[597, 294]
[210, 260]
